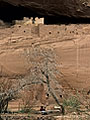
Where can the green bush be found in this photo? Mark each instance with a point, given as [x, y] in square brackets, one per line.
[72, 104]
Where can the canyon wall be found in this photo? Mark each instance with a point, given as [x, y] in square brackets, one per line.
[71, 44]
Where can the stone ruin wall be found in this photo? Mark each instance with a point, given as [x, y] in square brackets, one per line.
[42, 30]
[62, 30]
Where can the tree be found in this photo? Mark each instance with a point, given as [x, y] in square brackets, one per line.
[44, 69]
[9, 90]
[5, 85]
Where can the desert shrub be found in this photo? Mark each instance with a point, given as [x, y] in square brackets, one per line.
[72, 104]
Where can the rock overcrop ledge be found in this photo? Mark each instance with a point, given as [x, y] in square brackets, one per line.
[70, 8]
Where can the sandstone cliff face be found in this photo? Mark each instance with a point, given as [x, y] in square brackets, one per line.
[71, 44]
[71, 8]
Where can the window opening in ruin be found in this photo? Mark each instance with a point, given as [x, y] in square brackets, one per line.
[61, 96]
[19, 26]
[50, 32]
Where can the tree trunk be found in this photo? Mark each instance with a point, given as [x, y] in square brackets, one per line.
[53, 95]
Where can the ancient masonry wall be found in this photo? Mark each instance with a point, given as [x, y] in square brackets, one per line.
[62, 30]
[51, 30]
[26, 30]
[42, 30]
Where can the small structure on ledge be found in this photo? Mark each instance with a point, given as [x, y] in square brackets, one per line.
[30, 21]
